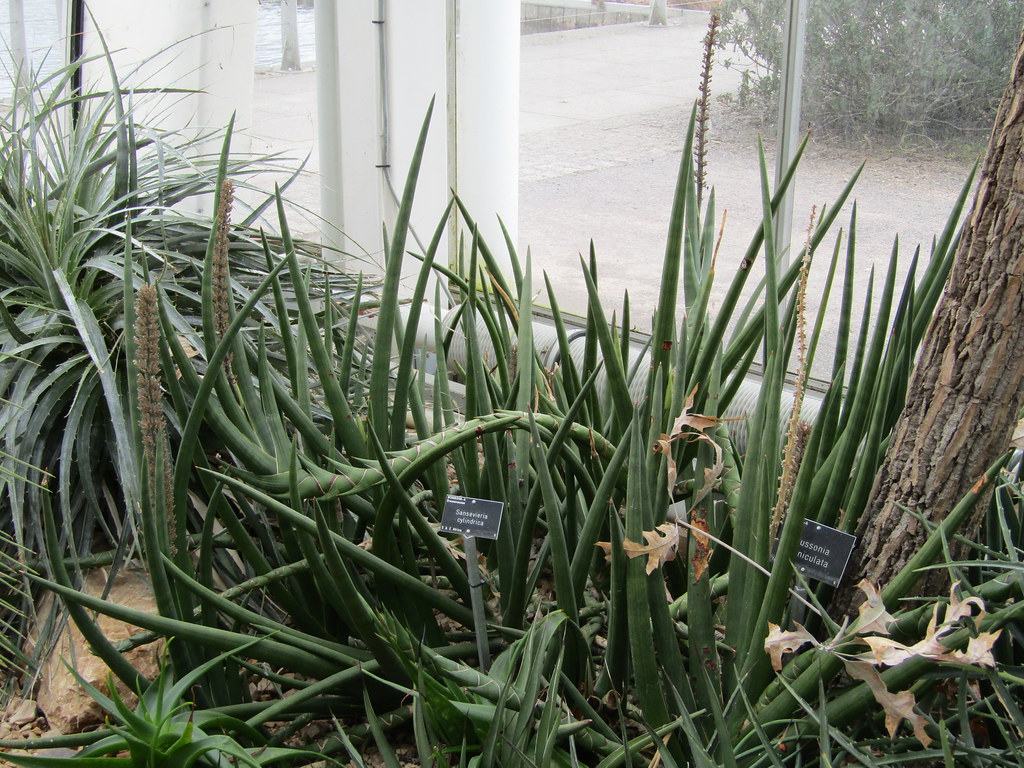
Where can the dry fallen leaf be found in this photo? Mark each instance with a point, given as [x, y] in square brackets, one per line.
[698, 423]
[897, 706]
[886, 651]
[695, 421]
[979, 650]
[890, 653]
[959, 609]
[873, 616]
[660, 546]
[779, 643]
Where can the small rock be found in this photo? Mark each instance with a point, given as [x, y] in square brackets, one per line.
[21, 711]
[66, 705]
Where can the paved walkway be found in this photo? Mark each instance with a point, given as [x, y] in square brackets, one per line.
[584, 95]
[603, 121]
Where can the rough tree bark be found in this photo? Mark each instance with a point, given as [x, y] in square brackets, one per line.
[966, 391]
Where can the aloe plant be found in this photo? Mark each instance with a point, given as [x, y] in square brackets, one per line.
[164, 730]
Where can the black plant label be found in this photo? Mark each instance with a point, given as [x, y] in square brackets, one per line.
[466, 516]
[824, 553]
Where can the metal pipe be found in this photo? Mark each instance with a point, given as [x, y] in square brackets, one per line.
[384, 109]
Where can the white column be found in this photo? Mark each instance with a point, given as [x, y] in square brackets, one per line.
[416, 47]
[390, 63]
[329, 129]
[372, 114]
[659, 13]
[19, 47]
[789, 117]
[488, 116]
[202, 45]
[291, 58]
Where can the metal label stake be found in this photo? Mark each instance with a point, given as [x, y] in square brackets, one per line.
[472, 518]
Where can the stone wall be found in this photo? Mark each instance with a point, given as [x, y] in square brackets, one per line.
[555, 16]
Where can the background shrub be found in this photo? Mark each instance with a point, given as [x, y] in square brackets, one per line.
[893, 68]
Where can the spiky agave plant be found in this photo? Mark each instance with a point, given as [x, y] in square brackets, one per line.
[87, 208]
[163, 729]
[91, 208]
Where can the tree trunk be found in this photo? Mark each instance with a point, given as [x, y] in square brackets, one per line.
[965, 394]
[290, 56]
[659, 13]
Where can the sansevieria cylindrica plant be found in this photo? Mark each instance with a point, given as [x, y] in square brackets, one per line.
[644, 564]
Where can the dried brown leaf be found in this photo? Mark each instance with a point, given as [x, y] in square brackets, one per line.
[979, 650]
[890, 653]
[779, 643]
[897, 706]
[695, 421]
[959, 609]
[698, 423]
[873, 616]
[664, 446]
[659, 546]
[886, 651]
[711, 474]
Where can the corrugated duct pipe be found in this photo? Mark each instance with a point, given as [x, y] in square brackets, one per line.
[545, 339]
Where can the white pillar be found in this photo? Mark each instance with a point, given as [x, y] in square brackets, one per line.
[329, 128]
[291, 58]
[19, 47]
[372, 108]
[416, 45]
[659, 13]
[202, 45]
[390, 63]
[488, 116]
[789, 118]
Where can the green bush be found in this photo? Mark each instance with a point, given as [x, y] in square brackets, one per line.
[893, 68]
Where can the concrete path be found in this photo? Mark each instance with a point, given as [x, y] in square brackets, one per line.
[603, 121]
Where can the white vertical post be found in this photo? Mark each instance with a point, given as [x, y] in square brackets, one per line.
[203, 47]
[789, 117]
[291, 58]
[451, 74]
[328, 87]
[415, 34]
[659, 13]
[19, 47]
[488, 117]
